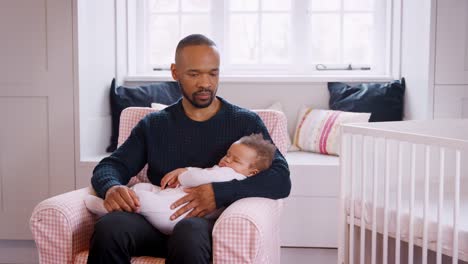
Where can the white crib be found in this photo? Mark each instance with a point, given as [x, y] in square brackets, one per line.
[404, 192]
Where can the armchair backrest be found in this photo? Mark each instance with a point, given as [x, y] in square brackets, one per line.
[275, 122]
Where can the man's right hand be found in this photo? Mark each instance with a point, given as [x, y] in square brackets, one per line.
[121, 198]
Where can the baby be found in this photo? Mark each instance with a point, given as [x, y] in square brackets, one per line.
[244, 158]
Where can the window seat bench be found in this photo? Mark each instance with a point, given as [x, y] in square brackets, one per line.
[310, 214]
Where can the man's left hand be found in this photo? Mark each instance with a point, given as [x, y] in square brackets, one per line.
[201, 199]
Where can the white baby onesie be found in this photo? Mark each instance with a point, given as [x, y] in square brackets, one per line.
[155, 203]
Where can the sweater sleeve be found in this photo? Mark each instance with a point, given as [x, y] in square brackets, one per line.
[124, 163]
[273, 182]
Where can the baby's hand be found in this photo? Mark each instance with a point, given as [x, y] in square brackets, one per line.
[171, 179]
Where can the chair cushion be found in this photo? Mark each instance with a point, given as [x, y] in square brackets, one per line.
[279, 107]
[82, 257]
[311, 159]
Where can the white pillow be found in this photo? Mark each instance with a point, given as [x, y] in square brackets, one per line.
[158, 106]
[276, 106]
[319, 130]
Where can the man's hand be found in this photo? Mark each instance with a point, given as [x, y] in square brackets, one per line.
[201, 199]
[171, 179]
[121, 198]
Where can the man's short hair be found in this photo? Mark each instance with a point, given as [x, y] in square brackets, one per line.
[264, 148]
[193, 40]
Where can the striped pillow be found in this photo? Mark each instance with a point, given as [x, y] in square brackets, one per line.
[319, 130]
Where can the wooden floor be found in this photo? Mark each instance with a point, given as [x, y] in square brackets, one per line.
[24, 252]
[308, 256]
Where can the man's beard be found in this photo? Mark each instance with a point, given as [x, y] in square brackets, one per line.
[192, 98]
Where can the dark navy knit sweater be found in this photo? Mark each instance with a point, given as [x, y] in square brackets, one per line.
[168, 140]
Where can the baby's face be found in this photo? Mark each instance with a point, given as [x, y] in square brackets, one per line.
[240, 158]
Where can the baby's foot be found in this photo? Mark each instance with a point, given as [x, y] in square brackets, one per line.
[95, 205]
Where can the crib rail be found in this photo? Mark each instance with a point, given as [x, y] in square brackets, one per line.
[402, 172]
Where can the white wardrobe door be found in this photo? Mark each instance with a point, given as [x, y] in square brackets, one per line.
[451, 61]
[36, 108]
[451, 101]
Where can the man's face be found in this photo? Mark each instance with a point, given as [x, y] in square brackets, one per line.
[197, 71]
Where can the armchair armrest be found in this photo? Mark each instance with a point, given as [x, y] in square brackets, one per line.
[247, 232]
[62, 226]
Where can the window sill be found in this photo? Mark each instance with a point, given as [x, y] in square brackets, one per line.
[271, 78]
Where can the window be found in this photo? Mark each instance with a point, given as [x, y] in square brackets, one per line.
[269, 37]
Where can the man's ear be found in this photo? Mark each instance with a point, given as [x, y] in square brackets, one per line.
[253, 172]
[174, 72]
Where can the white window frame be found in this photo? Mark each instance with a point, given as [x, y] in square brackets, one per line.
[231, 73]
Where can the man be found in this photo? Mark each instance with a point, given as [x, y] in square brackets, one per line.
[194, 132]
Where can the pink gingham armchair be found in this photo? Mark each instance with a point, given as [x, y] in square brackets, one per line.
[246, 232]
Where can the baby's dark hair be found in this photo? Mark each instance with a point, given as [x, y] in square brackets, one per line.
[264, 148]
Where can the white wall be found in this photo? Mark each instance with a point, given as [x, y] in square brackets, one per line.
[291, 95]
[416, 58]
[96, 68]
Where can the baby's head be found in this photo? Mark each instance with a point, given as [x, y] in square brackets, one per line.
[249, 155]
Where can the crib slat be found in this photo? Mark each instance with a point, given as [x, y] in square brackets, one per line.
[411, 212]
[352, 198]
[374, 204]
[397, 231]
[363, 200]
[386, 198]
[345, 156]
[456, 208]
[426, 205]
[440, 205]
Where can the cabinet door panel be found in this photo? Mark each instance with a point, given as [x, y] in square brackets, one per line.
[36, 108]
[451, 101]
[309, 222]
[451, 59]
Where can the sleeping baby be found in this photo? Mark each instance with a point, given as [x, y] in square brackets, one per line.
[244, 158]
